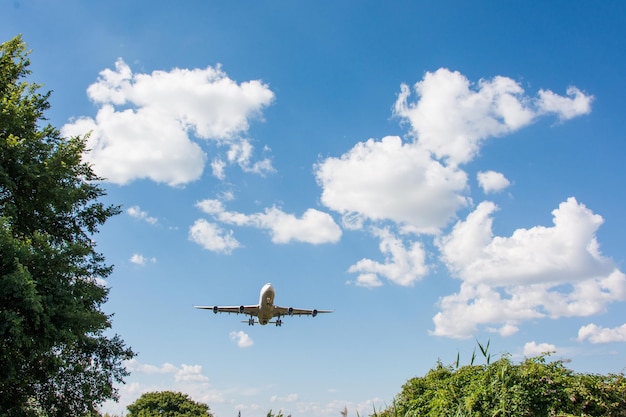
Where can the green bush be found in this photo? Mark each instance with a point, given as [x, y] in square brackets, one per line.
[534, 387]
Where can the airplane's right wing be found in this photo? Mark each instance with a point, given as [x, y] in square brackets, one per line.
[249, 310]
[289, 311]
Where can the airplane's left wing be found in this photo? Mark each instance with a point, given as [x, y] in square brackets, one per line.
[249, 310]
[290, 311]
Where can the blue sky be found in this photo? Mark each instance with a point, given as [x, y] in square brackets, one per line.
[435, 172]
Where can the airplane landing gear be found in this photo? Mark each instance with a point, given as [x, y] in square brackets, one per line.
[279, 322]
[250, 321]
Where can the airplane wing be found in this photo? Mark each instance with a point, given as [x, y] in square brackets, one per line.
[249, 310]
[290, 311]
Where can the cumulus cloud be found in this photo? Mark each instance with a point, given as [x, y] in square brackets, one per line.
[562, 253]
[492, 182]
[313, 227]
[417, 185]
[534, 349]
[135, 366]
[189, 379]
[452, 117]
[575, 104]
[240, 152]
[391, 180]
[403, 266]
[366, 279]
[242, 339]
[538, 272]
[139, 259]
[137, 213]
[461, 313]
[145, 122]
[190, 373]
[212, 237]
[599, 334]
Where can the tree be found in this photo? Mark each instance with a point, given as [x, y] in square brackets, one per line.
[534, 387]
[167, 404]
[55, 358]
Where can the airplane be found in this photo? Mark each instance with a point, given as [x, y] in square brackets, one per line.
[265, 311]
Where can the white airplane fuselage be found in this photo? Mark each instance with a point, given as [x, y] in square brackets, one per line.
[266, 304]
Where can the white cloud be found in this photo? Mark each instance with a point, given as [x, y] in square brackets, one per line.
[242, 339]
[287, 398]
[564, 253]
[539, 272]
[452, 117]
[533, 349]
[367, 279]
[217, 168]
[507, 329]
[475, 305]
[190, 373]
[139, 259]
[492, 182]
[402, 266]
[210, 236]
[240, 152]
[598, 334]
[184, 373]
[134, 144]
[419, 186]
[137, 213]
[211, 206]
[134, 365]
[335, 407]
[313, 227]
[468, 238]
[576, 104]
[189, 379]
[143, 126]
[390, 180]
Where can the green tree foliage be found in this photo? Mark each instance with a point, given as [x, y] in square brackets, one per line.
[55, 359]
[167, 404]
[534, 387]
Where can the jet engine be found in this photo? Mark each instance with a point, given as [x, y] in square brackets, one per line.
[215, 309]
[314, 313]
[290, 311]
[241, 309]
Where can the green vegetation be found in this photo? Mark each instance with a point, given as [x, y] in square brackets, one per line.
[167, 404]
[534, 387]
[54, 355]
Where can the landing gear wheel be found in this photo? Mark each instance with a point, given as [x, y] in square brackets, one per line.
[250, 321]
[279, 323]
